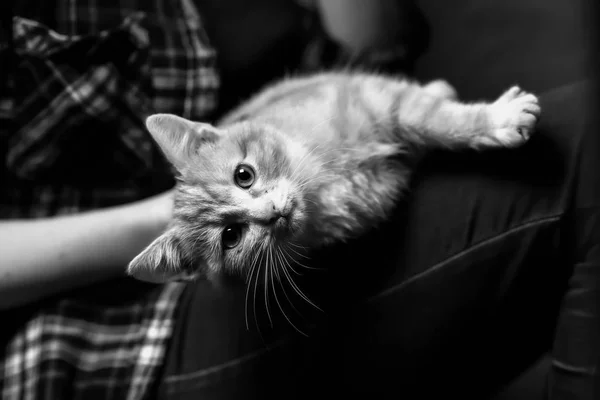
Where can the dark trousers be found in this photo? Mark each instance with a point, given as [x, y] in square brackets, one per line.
[494, 261]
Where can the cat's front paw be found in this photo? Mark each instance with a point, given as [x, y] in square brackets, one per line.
[513, 117]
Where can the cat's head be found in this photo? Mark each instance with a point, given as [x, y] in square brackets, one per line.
[241, 199]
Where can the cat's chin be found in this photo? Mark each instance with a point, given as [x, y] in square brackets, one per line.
[290, 228]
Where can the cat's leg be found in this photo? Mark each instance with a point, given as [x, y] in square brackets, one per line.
[436, 121]
[441, 88]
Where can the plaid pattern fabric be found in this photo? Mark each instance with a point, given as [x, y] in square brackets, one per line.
[93, 89]
[76, 349]
[79, 89]
[79, 78]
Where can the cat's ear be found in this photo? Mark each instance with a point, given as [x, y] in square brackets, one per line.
[178, 137]
[163, 260]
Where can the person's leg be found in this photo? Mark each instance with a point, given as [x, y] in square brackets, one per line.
[575, 369]
[214, 356]
[463, 289]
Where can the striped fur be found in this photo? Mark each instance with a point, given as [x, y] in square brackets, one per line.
[336, 149]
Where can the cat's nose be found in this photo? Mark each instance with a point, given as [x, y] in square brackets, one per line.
[279, 212]
[276, 215]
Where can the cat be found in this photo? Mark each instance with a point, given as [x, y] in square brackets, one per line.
[308, 162]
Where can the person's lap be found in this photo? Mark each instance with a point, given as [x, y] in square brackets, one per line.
[491, 245]
[464, 289]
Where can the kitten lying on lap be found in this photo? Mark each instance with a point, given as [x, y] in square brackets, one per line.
[308, 162]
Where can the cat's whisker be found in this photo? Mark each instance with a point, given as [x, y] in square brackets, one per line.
[277, 254]
[255, 253]
[301, 182]
[302, 161]
[311, 201]
[290, 266]
[253, 267]
[266, 289]
[306, 182]
[299, 246]
[297, 170]
[304, 158]
[281, 283]
[260, 264]
[321, 179]
[296, 261]
[297, 289]
[323, 164]
[285, 292]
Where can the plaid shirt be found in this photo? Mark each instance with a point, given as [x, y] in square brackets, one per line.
[73, 114]
[81, 79]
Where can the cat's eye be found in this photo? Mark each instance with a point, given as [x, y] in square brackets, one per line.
[244, 176]
[232, 236]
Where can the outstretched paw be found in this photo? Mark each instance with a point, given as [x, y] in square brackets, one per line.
[513, 117]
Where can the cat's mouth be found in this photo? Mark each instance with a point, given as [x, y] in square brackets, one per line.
[281, 223]
[286, 226]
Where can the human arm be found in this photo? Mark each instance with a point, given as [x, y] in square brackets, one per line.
[43, 257]
[361, 25]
